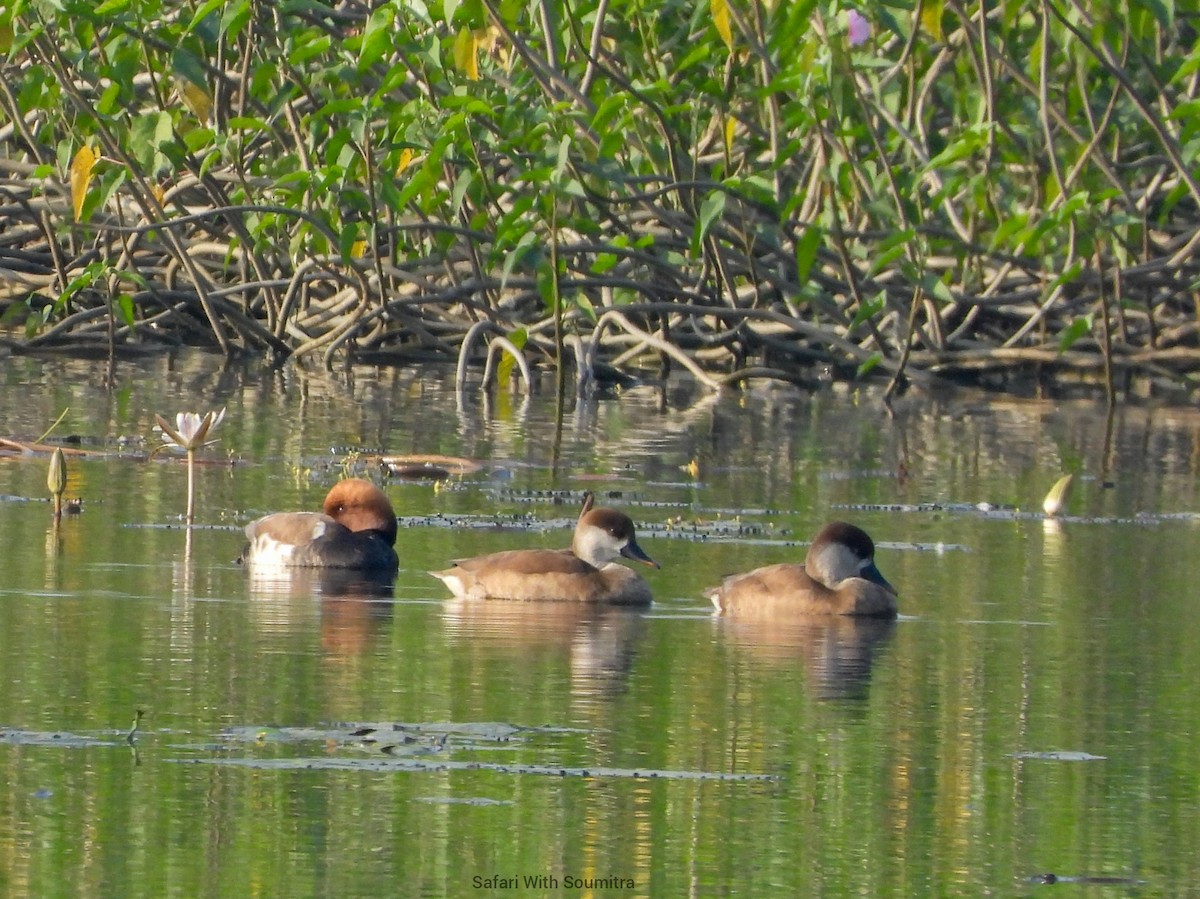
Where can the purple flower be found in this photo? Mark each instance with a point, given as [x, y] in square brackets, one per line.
[860, 28]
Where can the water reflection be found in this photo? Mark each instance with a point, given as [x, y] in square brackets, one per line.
[837, 651]
[1052, 542]
[600, 641]
[352, 606]
[351, 620]
[922, 778]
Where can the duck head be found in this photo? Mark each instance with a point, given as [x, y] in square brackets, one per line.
[361, 506]
[605, 535]
[842, 551]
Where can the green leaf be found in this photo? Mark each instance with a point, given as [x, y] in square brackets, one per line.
[564, 155]
[1067, 275]
[309, 47]
[868, 364]
[888, 250]
[346, 240]
[806, 252]
[710, 211]
[248, 123]
[528, 241]
[1163, 11]
[107, 104]
[377, 37]
[604, 262]
[461, 186]
[868, 308]
[971, 141]
[1081, 326]
[187, 65]
[206, 9]
[124, 306]
[198, 138]
[234, 18]
[936, 288]
[111, 8]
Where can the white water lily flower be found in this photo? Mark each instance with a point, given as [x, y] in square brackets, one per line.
[188, 434]
[190, 429]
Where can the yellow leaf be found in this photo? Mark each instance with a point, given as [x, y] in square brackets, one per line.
[357, 249]
[504, 56]
[931, 18]
[505, 369]
[1056, 499]
[194, 97]
[720, 16]
[81, 177]
[730, 128]
[466, 55]
[487, 38]
[407, 157]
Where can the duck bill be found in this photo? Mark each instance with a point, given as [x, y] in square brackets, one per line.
[871, 573]
[632, 551]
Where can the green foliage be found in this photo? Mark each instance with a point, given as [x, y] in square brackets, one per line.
[761, 156]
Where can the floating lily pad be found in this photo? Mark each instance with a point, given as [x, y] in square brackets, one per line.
[431, 746]
[410, 764]
[54, 738]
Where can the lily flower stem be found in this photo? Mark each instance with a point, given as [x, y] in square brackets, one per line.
[191, 505]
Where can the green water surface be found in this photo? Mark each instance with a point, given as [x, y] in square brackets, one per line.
[1035, 710]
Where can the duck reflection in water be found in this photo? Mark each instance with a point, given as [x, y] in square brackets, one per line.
[345, 555]
[353, 606]
[599, 641]
[838, 653]
[833, 612]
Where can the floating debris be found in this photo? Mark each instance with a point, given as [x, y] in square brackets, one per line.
[1059, 756]
[1063, 878]
[991, 512]
[428, 467]
[406, 746]
[62, 739]
[410, 764]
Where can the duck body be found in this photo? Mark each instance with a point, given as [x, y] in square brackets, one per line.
[586, 573]
[356, 530]
[838, 577]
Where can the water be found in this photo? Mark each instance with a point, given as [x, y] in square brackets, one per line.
[1032, 712]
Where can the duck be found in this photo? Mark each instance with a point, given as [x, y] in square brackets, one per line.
[588, 572]
[356, 530]
[838, 577]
